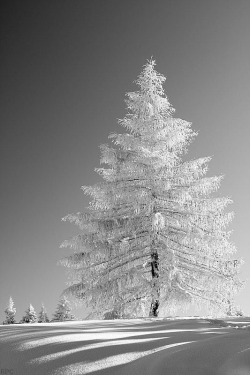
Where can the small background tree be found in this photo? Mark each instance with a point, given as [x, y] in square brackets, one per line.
[43, 317]
[30, 316]
[63, 311]
[10, 312]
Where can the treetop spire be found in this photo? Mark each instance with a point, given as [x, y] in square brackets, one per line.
[150, 80]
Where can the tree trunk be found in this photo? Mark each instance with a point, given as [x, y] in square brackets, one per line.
[154, 308]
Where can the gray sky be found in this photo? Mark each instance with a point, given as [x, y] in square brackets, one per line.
[65, 67]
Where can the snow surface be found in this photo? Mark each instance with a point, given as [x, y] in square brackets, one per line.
[140, 346]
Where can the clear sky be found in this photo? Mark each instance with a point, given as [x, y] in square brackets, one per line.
[65, 67]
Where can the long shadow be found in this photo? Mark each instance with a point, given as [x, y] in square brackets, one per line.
[98, 354]
[87, 350]
[34, 333]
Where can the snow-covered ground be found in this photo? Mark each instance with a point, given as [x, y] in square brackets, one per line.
[131, 347]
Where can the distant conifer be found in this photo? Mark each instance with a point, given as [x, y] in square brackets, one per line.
[30, 316]
[43, 317]
[63, 311]
[10, 312]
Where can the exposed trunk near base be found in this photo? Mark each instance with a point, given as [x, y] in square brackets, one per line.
[154, 308]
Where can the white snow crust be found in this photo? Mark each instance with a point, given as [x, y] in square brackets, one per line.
[140, 346]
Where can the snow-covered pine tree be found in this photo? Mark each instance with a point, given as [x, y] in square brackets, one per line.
[30, 316]
[10, 312]
[154, 233]
[43, 317]
[63, 311]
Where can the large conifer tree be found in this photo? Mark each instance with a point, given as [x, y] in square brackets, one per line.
[154, 233]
